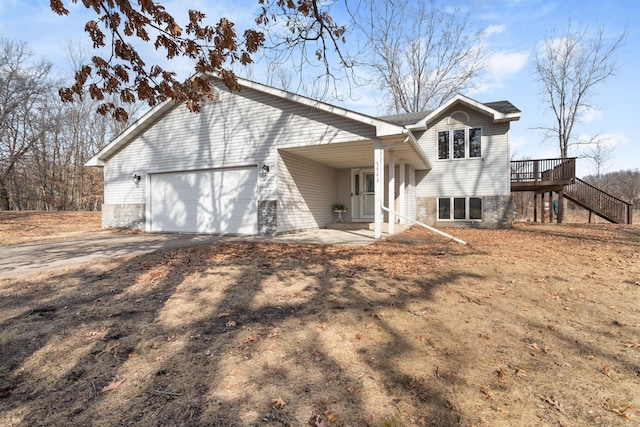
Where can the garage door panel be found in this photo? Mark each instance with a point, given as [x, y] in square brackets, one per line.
[210, 201]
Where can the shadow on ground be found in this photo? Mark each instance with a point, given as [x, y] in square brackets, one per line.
[224, 334]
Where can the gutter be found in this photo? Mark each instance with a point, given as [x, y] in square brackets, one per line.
[416, 146]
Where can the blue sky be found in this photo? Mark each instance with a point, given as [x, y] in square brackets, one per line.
[515, 29]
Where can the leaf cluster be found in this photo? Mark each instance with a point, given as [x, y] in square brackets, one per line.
[214, 49]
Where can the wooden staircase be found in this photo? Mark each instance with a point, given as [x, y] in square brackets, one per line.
[599, 202]
[559, 176]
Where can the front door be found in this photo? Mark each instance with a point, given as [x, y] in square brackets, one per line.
[368, 183]
[362, 194]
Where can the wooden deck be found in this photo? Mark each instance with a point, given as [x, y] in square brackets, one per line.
[543, 174]
[559, 176]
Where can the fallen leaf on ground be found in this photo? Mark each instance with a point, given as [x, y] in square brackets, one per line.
[485, 391]
[620, 409]
[278, 403]
[112, 385]
[552, 402]
[331, 417]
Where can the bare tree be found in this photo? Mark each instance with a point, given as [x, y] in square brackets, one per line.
[599, 152]
[569, 68]
[421, 53]
[44, 142]
[123, 71]
[24, 88]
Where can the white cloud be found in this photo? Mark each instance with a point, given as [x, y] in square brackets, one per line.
[501, 66]
[590, 114]
[607, 139]
[495, 29]
[505, 64]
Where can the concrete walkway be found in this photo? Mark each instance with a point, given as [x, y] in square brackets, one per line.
[39, 257]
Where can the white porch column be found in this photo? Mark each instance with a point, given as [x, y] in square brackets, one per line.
[401, 196]
[378, 171]
[391, 191]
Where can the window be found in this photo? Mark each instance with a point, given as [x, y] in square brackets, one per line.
[444, 208]
[443, 145]
[460, 144]
[475, 208]
[474, 142]
[459, 208]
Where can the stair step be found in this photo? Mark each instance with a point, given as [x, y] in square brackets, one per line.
[365, 226]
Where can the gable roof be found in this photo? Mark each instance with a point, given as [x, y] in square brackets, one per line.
[383, 128]
[501, 111]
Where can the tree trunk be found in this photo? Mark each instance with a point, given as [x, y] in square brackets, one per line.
[4, 197]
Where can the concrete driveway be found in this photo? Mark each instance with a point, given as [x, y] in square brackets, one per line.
[39, 257]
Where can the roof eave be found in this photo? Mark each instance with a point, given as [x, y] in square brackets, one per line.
[414, 142]
[129, 133]
[498, 117]
[502, 118]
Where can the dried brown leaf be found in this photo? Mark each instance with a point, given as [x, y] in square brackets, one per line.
[331, 417]
[278, 403]
[112, 385]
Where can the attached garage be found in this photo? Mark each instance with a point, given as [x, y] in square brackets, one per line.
[215, 201]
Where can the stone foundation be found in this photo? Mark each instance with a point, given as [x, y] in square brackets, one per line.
[267, 217]
[496, 213]
[129, 215]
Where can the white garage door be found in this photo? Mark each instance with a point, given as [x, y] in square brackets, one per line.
[207, 201]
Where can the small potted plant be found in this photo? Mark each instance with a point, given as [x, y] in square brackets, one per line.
[337, 207]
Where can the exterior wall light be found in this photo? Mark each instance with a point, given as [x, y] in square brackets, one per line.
[265, 169]
[136, 178]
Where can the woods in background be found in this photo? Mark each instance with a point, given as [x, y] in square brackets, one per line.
[45, 142]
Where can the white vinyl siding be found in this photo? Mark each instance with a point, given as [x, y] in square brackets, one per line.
[486, 175]
[242, 128]
[343, 193]
[306, 192]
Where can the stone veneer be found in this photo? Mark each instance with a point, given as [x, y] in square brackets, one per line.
[496, 213]
[125, 215]
[267, 217]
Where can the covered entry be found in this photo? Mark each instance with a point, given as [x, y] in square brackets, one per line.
[354, 174]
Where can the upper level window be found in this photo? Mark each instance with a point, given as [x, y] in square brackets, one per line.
[459, 143]
[443, 145]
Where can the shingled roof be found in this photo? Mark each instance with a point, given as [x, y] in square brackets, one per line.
[406, 118]
[504, 107]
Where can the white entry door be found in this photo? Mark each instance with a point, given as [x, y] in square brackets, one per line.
[368, 184]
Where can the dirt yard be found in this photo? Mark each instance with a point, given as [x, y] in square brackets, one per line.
[30, 226]
[538, 325]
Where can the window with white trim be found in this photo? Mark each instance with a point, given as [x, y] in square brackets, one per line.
[459, 208]
[460, 143]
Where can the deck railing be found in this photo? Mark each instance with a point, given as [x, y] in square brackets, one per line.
[543, 170]
[600, 202]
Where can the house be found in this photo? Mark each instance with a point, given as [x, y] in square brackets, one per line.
[266, 161]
